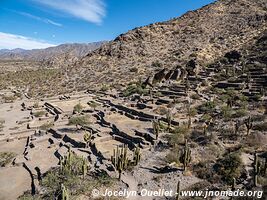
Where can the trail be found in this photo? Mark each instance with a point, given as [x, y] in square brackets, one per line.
[132, 185]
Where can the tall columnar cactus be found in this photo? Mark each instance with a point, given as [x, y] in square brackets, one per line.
[205, 127]
[169, 119]
[186, 157]
[137, 155]
[61, 163]
[256, 169]
[120, 159]
[187, 86]
[238, 124]
[69, 158]
[233, 184]
[265, 167]
[87, 138]
[155, 124]
[178, 190]
[191, 112]
[249, 124]
[84, 168]
[64, 193]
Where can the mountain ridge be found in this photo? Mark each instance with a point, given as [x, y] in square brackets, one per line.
[74, 49]
[204, 35]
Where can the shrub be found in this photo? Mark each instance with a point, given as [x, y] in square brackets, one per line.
[260, 127]
[2, 124]
[178, 135]
[75, 183]
[134, 88]
[240, 113]
[195, 96]
[226, 112]
[46, 126]
[204, 171]
[207, 107]
[36, 104]
[9, 99]
[39, 113]
[79, 120]
[93, 104]
[256, 140]
[205, 118]
[6, 157]
[104, 88]
[173, 155]
[134, 69]
[78, 108]
[161, 110]
[229, 167]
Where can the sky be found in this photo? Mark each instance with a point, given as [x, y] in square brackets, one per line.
[31, 24]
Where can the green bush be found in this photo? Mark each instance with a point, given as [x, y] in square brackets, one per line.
[177, 135]
[78, 108]
[6, 158]
[173, 155]
[207, 107]
[240, 113]
[2, 124]
[46, 126]
[104, 88]
[93, 104]
[9, 99]
[79, 120]
[229, 167]
[260, 127]
[134, 88]
[74, 182]
[226, 112]
[39, 113]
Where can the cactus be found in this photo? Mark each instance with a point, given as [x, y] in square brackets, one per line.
[234, 184]
[265, 167]
[237, 126]
[186, 157]
[119, 159]
[69, 158]
[178, 190]
[137, 155]
[87, 138]
[155, 124]
[64, 193]
[169, 119]
[206, 126]
[187, 86]
[191, 112]
[249, 124]
[84, 168]
[61, 163]
[256, 169]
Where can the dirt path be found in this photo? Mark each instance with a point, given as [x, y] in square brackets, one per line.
[132, 184]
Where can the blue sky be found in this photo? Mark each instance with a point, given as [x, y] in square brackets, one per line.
[41, 23]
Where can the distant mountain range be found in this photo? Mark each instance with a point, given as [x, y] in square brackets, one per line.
[70, 50]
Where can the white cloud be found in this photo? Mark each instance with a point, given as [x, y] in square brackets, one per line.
[47, 21]
[10, 41]
[89, 10]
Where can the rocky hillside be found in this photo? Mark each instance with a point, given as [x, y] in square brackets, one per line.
[203, 35]
[198, 37]
[64, 50]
